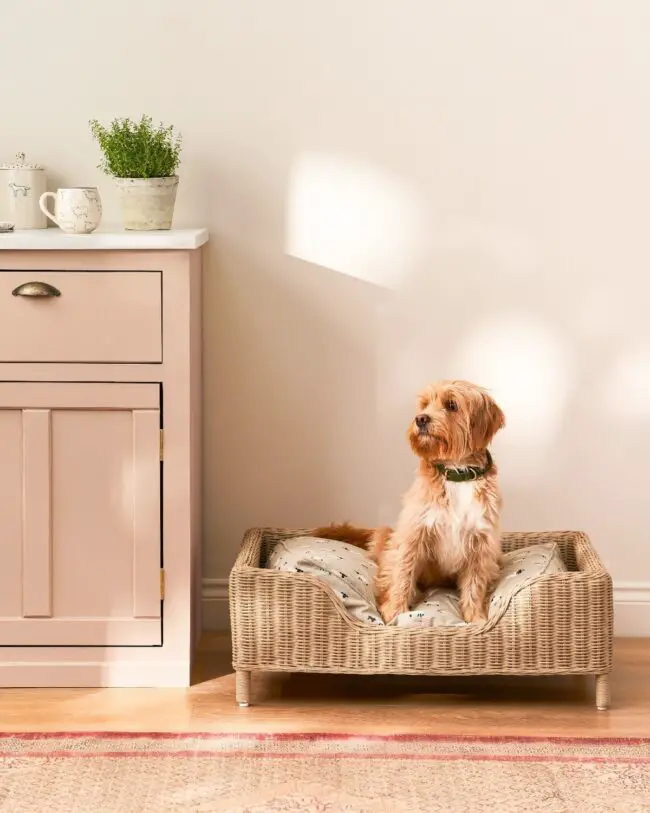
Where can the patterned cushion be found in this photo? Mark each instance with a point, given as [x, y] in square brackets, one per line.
[351, 575]
[439, 607]
[346, 569]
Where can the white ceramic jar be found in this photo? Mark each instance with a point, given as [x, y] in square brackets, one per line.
[23, 184]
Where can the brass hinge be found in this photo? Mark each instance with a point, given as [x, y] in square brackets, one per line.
[162, 584]
[162, 444]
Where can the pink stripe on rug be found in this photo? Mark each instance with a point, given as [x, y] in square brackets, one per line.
[326, 736]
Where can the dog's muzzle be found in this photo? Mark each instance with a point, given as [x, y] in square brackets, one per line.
[422, 421]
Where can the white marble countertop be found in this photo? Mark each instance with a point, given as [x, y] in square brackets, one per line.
[105, 238]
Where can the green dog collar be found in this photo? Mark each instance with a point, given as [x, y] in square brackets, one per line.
[465, 474]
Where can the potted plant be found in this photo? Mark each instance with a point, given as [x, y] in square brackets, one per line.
[143, 159]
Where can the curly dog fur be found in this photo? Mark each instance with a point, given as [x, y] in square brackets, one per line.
[447, 532]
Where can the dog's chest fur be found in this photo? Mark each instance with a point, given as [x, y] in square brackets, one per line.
[451, 519]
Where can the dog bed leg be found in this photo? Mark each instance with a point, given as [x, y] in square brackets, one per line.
[603, 696]
[243, 688]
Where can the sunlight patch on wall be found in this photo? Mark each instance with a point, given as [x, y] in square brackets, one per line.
[526, 367]
[626, 389]
[353, 218]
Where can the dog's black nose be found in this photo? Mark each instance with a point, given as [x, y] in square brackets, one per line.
[422, 420]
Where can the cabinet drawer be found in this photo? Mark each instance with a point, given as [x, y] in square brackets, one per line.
[98, 316]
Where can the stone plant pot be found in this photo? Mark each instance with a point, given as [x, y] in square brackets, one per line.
[147, 203]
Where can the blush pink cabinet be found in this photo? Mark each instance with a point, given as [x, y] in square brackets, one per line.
[100, 440]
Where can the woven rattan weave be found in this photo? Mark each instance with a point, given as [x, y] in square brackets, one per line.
[292, 622]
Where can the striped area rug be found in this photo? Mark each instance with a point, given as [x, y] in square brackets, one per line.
[248, 773]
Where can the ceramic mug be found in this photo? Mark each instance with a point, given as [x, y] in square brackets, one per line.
[76, 211]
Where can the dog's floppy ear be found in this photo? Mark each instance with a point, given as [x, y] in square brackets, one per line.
[489, 419]
[495, 418]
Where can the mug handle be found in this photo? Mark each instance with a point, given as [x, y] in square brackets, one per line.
[43, 207]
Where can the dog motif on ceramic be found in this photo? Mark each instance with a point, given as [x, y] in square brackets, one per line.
[447, 532]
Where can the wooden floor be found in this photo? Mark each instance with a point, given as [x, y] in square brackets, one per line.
[321, 703]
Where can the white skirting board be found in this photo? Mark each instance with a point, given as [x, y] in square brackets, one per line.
[631, 607]
[215, 604]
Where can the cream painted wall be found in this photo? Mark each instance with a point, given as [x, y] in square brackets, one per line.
[476, 173]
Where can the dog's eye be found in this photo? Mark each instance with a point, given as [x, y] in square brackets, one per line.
[451, 405]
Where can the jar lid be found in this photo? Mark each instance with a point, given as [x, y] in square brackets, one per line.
[20, 163]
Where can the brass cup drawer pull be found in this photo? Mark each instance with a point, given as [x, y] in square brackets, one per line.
[36, 289]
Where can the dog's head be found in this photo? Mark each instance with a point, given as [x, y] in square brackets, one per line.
[454, 420]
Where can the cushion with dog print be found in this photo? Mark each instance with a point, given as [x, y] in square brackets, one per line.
[346, 569]
[351, 574]
[440, 606]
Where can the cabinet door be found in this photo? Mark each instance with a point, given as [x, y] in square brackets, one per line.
[80, 536]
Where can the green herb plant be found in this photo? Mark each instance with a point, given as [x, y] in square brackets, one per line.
[137, 149]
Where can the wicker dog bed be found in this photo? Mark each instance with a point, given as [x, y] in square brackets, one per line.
[560, 624]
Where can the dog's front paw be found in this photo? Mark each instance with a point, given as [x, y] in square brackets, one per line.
[390, 609]
[473, 614]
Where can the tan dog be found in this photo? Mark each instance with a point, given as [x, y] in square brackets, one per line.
[448, 529]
